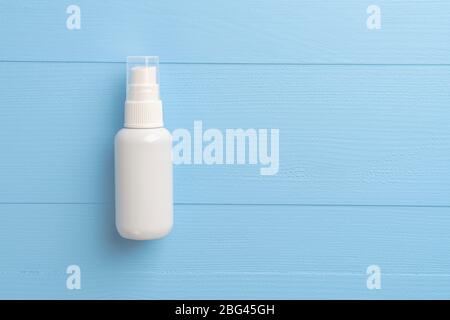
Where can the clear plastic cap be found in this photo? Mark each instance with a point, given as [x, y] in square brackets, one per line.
[142, 78]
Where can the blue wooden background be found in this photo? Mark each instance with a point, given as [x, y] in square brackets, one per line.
[364, 119]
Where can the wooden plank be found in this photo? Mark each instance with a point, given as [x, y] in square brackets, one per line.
[253, 31]
[348, 135]
[223, 251]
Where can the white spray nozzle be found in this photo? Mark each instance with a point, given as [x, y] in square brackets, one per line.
[142, 78]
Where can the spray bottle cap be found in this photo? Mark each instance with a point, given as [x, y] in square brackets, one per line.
[143, 107]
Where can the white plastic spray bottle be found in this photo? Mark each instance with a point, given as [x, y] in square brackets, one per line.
[143, 160]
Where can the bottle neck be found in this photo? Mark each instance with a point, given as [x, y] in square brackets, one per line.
[143, 114]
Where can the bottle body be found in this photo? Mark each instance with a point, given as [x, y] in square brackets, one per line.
[143, 179]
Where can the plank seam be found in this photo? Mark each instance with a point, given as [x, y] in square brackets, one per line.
[244, 204]
[241, 63]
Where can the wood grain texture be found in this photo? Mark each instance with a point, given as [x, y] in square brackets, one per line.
[287, 31]
[227, 252]
[364, 125]
[348, 135]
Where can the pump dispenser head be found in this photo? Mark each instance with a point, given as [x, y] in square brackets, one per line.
[143, 107]
[142, 78]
